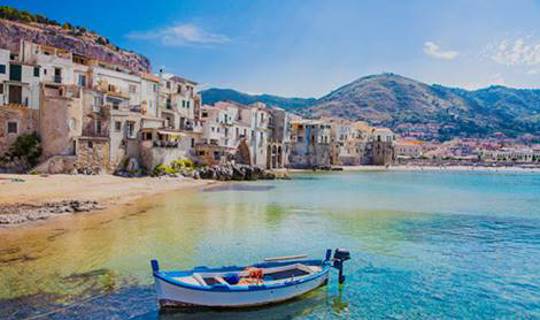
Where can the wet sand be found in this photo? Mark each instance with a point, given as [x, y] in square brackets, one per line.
[106, 190]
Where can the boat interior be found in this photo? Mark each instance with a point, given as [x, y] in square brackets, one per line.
[250, 276]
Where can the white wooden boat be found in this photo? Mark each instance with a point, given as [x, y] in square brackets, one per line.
[274, 280]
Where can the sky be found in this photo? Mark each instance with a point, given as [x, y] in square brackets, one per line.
[306, 48]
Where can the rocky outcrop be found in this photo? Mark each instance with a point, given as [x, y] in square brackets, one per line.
[85, 43]
[227, 172]
[237, 172]
[20, 213]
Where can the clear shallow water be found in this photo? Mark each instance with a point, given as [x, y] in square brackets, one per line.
[424, 245]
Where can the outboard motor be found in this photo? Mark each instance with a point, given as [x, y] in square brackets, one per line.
[340, 256]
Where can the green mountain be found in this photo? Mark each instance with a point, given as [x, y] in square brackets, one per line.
[213, 95]
[434, 111]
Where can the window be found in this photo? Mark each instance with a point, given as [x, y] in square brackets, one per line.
[130, 125]
[98, 127]
[90, 145]
[168, 85]
[82, 80]
[98, 101]
[147, 136]
[183, 103]
[1, 88]
[57, 75]
[2, 69]
[15, 72]
[117, 126]
[36, 71]
[156, 87]
[72, 124]
[192, 142]
[187, 104]
[12, 127]
[132, 88]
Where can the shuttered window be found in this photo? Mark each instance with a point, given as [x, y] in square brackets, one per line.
[15, 72]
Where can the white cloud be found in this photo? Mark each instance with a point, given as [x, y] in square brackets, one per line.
[433, 50]
[516, 53]
[180, 35]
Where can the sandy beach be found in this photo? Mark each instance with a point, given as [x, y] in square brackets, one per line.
[19, 192]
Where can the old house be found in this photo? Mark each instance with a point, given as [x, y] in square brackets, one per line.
[279, 140]
[310, 144]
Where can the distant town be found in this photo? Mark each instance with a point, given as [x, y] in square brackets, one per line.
[91, 116]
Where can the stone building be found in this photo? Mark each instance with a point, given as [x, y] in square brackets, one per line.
[383, 151]
[279, 141]
[310, 144]
[234, 133]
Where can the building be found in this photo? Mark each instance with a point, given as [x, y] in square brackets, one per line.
[310, 144]
[279, 141]
[233, 132]
[93, 116]
[409, 149]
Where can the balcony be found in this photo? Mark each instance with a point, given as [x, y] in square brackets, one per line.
[166, 144]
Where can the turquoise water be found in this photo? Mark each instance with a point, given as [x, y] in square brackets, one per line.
[424, 245]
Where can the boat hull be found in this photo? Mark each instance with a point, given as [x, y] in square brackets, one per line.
[172, 295]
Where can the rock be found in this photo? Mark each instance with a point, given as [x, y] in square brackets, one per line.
[11, 33]
[132, 165]
[20, 213]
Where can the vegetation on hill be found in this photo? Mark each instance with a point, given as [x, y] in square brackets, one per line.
[14, 14]
[211, 96]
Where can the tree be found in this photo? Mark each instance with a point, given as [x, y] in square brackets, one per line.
[26, 147]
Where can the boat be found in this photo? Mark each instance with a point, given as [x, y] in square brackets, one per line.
[271, 281]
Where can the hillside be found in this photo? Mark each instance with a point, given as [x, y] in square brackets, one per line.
[405, 104]
[431, 111]
[16, 25]
[213, 95]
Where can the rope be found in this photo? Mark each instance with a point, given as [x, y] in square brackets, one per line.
[45, 314]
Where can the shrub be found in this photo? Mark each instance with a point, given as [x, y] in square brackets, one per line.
[26, 147]
[182, 164]
[162, 169]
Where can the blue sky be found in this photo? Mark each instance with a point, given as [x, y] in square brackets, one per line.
[308, 48]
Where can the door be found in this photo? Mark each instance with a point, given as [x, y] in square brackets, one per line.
[15, 94]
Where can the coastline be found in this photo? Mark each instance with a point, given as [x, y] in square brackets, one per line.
[367, 168]
[52, 195]
[27, 199]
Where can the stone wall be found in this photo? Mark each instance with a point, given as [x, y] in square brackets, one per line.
[383, 153]
[26, 119]
[93, 153]
[305, 155]
[60, 123]
[151, 155]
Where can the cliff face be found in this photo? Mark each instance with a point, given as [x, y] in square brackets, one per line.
[81, 42]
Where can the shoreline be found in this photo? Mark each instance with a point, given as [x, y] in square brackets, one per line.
[367, 168]
[27, 199]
